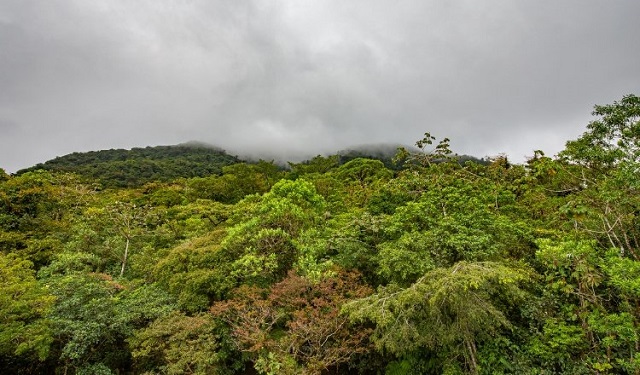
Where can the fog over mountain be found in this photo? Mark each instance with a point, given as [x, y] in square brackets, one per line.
[292, 78]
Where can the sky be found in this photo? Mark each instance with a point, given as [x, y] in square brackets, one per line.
[288, 79]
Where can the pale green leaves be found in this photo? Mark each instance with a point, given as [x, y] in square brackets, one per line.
[447, 307]
[23, 304]
[611, 139]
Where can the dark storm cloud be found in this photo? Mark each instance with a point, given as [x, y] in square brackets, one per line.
[301, 77]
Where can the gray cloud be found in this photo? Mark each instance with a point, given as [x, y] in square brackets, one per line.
[295, 77]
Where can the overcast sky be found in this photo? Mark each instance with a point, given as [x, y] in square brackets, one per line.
[304, 77]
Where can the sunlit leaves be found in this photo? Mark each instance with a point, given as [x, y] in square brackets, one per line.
[196, 272]
[405, 260]
[23, 304]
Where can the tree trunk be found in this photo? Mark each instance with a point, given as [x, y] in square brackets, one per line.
[471, 351]
[124, 258]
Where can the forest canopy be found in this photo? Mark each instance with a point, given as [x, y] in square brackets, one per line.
[186, 260]
[138, 166]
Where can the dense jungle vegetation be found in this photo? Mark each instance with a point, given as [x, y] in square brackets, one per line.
[330, 266]
[138, 166]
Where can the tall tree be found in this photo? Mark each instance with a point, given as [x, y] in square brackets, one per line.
[451, 309]
[24, 333]
[607, 157]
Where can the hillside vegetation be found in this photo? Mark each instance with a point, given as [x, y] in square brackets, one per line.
[138, 166]
[443, 266]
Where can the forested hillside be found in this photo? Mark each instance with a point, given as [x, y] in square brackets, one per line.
[138, 166]
[440, 266]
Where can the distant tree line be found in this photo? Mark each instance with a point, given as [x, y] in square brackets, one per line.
[138, 166]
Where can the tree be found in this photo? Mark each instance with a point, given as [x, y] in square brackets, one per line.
[295, 326]
[196, 272]
[262, 240]
[454, 219]
[23, 305]
[127, 219]
[36, 213]
[426, 157]
[180, 344]
[237, 181]
[587, 314]
[612, 140]
[451, 309]
[259, 247]
[360, 176]
[93, 313]
[112, 228]
[318, 164]
[607, 157]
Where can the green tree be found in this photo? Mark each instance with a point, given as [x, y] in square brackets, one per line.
[361, 177]
[36, 210]
[180, 344]
[610, 141]
[262, 240]
[93, 314]
[428, 155]
[196, 272]
[448, 309]
[584, 324]
[605, 162]
[23, 305]
[128, 220]
[452, 221]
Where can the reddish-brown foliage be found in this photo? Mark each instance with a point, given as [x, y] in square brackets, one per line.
[298, 318]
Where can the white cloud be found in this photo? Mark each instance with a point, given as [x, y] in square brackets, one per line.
[298, 76]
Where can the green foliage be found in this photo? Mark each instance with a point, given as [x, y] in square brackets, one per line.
[318, 165]
[262, 240]
[611, 140]
[360, 178]
[93, 313]
[580, 320]
[406, 259]
[23, 305]
[180, 344]
[36, 209]
[194, 263]
[237, 181]
[452, 308]
[138, 166]
[446, 224]
[623, 274]
[351, 241]
[384, 153]
[196, 272]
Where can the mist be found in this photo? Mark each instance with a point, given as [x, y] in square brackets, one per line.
[291, 79]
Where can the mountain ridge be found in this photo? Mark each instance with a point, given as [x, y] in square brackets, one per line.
[140, 165]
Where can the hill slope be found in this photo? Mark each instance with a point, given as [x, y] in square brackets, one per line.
[135, 167]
